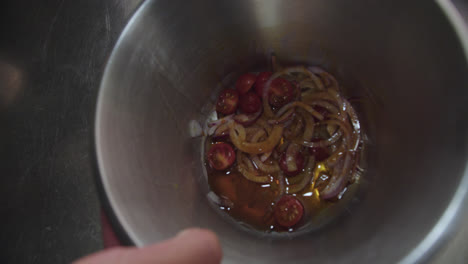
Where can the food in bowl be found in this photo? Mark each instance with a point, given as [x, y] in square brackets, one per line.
[284, 146]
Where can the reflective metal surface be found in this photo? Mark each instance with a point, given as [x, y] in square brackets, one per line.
[55, 52]
[404, 56]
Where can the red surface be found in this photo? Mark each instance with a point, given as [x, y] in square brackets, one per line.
[108, 235]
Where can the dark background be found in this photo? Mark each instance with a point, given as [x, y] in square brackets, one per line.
[52, 56]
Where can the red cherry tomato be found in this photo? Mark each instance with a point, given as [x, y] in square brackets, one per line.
[283, 163]
[262, 78]
[221, 156]
[281, 92]
[250, 103]
[245, 82]
[319, 153]
[227, 102]
[288, 211]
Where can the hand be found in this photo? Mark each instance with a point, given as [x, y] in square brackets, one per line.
[191, 246]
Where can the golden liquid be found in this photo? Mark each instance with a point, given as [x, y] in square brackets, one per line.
[253, 203]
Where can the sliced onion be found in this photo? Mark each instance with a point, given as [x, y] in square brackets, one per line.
[282, 119]
[213, 125]
[282, 147]
[322, 143]
[247, 119]
[255, 137]
[331, 129]
[308, 84]
[328, 106]
[335, 156]
[305, 176]
[281, 185]
[237, 131]
[353, 116]
[265, 156]
[304, 106]
[309, 127]
[222, 131]
[356, 125]
[219, 121]
[288, 123]
[308, 97]
[250, 174]
[342, 107]
[334, 138]
[296, 179]
[325, 75]
[273, 168]
[252, 130]
[291, 153]
[263, 123]
[256, 160]
[311, 75]
[338, 181]
[258, 147]
[248, 162]
[299, 126]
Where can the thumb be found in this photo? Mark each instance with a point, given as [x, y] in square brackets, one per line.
[191, 246]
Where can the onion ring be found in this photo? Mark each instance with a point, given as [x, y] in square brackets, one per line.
[248, 173]
[256, 160]
[331, 140]
[282, 119]
[265, 125]
[304, 106]
[325, 75]
[338, 182]
[237, 131]
[219, 121]
[258, 147]
[265, 167]
[291, 153]
[248, 119]
[309, 127]
[265, 156]
[222, 131]
[305, 176]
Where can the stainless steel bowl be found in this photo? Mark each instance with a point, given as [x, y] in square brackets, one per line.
[406, 58]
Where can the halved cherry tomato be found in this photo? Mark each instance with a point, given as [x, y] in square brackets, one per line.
[288, 211]
[281, 92]
[319, 153]
[262, 78]
[250, 103]
[245, 82]
[227, 102]
[283, 163]
[221, 156]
